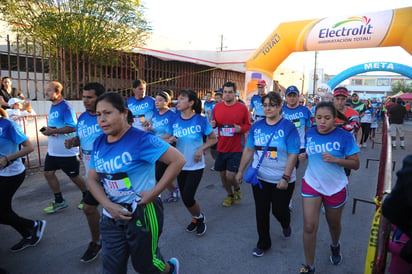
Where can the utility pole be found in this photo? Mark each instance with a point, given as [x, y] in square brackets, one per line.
[221, 42]
[315, 74]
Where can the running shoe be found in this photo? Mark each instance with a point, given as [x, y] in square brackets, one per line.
[257, 252]
[306, 269]
[287, 232]
[54, 207]
[336, 256]
[34, 239]
[201, 226]
[91, 253]
[228, 201]
[170, 199]
[80, 206]
[238, 196]
[402, 147]
[192, 226]
[174, 264]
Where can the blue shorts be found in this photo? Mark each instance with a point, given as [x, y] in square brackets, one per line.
[227, 161]
[334, 201]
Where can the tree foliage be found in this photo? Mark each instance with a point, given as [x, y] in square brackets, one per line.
[91, 26]
[398, 86]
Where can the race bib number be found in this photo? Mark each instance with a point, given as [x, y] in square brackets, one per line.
[117, 184]
[227, 130]
[296, 122]
[138, 120]
[86, 155]
[271, 153]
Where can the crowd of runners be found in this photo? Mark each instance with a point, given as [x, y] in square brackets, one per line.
[132, 150]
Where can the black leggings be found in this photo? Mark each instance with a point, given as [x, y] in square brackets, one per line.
[366, 128]
[9, 186]
[264, 198]
[188, 181]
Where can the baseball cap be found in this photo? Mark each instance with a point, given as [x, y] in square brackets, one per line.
[261, 83]
[292, 89]
[13, 101]
[340, 91]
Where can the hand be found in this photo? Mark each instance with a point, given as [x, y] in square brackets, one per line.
[48, 131]
[68, 143]
[302, 156]
[282, 185]
[198, 155]
[118, 212]
[328, 158]
[237, 128]
[147, 197]
[172, 140]
[3, 162]
[239, 177]
[213, 123]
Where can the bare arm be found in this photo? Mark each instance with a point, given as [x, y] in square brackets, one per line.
[351, 162]
[211, 140]
[290, 165]
[50, 131]
[27, 147]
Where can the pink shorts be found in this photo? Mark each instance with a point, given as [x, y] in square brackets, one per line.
[335, 201]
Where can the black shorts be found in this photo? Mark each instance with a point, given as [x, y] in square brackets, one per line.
[70, 165]
[89, 199]
[347, 171]
[214, 147]
[227, 161]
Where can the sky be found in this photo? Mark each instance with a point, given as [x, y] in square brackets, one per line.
[246, 24]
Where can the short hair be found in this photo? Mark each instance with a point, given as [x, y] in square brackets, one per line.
[138, 82]
[230, 84]
[97, 87]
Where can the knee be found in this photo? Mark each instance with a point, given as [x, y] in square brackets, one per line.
[188, 202]
[310, 228]
[90, 210]
[48, 174]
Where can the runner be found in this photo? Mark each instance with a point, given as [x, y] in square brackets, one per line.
[87, 130]
[232, 119]
[277, 172]
[12, 174]
[122, 178]
[187, 132]
[158, 125]
[256, 109]
[329, 150]
[141, 106]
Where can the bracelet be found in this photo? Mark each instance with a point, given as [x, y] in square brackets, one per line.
[286, 178]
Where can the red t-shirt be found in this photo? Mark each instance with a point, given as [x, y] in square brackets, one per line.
[226, 117]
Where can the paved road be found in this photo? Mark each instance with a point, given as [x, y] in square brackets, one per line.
[225, 248]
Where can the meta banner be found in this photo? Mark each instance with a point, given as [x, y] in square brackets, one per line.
[379, 29]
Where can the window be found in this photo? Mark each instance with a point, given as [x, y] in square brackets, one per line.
[369, 82]
[383, 82]
[408, 83]
[397, 82]
[356, 82]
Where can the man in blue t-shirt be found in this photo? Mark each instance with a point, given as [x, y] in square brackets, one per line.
[61, 124]
[141, 106]
[256, 107]
[87, 130]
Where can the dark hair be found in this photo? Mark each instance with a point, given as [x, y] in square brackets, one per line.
[230, 84]
[97, 87]
[218, 94]
[331, 106]
[399, 100]
[138, 82]
[118, 102]
[166, 96]
[274, 98]
[209, 92]
[170, 92]
[5, 77]
[192, 96]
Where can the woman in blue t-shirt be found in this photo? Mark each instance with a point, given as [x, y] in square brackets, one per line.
[158, 125]
[122, 178]
[277, 173]
[187, 132]
[12, 174]
[329, 150]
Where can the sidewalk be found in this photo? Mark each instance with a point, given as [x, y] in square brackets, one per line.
[227, 245]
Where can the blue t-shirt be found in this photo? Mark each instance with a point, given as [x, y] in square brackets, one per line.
[284, 141]
[127, 167]
[257, 106]
[208, 108]
[11, 136]
[300, 117]
[87, 130]
[328, 178]
[142, 109]
[61, 115]
[189, 134]
[160, 122]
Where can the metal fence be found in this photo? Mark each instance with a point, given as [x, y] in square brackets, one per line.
[32, 64]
